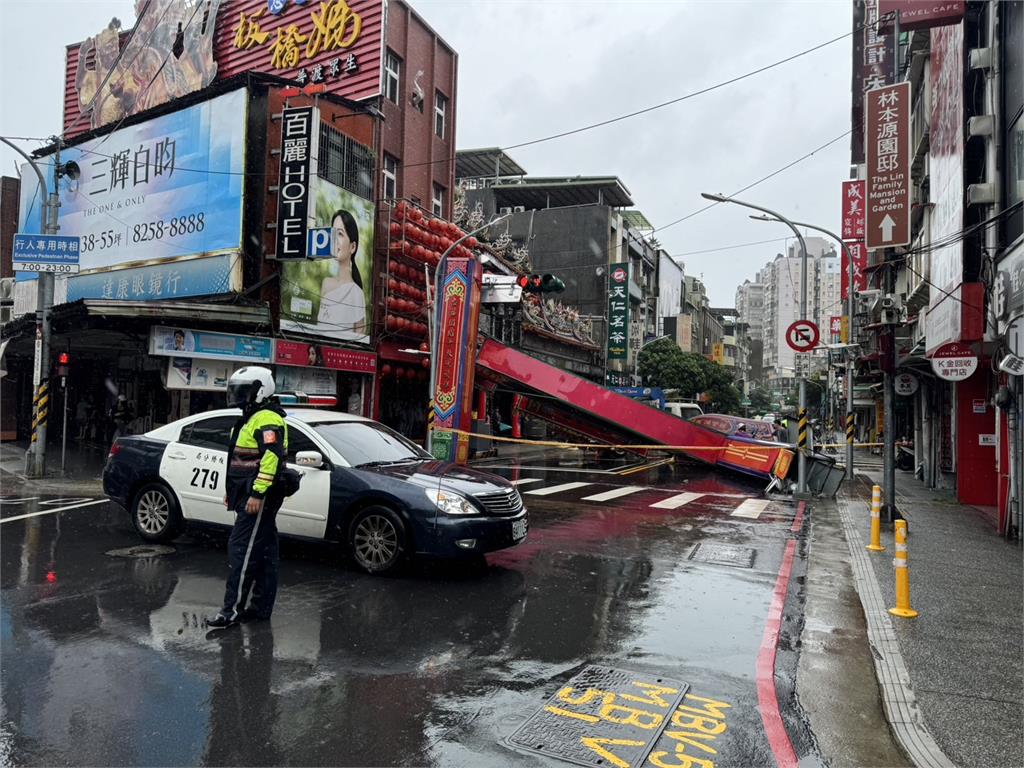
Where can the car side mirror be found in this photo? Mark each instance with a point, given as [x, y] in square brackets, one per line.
[312, 459]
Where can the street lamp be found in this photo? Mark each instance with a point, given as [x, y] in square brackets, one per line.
[849, 329]
[432, 301]
[35, 457]
[801, 484]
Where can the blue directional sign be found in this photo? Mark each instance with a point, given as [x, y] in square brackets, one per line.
[46, 253]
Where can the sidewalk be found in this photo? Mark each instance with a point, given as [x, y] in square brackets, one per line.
[83, 468]
[951, 679]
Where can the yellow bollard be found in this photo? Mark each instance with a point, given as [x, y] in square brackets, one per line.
[902, 574]
[876, 520]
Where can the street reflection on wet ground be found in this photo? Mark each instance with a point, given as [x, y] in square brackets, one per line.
[105, 659]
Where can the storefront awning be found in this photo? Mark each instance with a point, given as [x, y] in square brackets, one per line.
[205, 312]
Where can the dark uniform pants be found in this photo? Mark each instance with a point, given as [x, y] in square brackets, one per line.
[252, 556]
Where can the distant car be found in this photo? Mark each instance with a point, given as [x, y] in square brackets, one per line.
[364, 486]
[684, 410]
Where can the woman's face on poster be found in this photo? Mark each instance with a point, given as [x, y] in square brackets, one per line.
[344, 247]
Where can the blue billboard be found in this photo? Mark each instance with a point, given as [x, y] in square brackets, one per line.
[166, 188]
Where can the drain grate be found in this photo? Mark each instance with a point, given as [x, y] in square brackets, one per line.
[723, 554]
[142, 550]
[601, 717]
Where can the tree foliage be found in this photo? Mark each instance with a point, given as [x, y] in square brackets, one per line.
[760, 400]
[663, 364]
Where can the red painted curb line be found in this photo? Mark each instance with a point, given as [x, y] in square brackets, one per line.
[767, 700]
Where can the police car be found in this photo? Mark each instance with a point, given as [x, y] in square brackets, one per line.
[363, 486]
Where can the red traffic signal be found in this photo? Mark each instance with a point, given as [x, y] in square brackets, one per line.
[531, 283]
[63, 359]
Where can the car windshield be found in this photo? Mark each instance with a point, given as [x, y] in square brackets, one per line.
[364, 443]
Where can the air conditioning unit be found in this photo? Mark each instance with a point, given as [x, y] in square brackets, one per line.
[504, 209]
[518, 208]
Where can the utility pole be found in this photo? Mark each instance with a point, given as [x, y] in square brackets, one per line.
[35, 457]
[849, 327]
[801, 485]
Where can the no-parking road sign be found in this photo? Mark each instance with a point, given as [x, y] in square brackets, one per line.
[802, 336]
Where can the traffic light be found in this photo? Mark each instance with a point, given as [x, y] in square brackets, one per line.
[63, 360]
[541, 284]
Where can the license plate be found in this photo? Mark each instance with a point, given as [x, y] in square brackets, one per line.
[518, 529]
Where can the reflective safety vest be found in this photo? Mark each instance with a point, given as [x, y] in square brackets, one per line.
[257, 454]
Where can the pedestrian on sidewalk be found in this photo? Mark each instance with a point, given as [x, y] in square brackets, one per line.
[82, 416]
[121, 414]
[254, 492]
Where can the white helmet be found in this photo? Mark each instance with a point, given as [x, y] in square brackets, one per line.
[249, 385]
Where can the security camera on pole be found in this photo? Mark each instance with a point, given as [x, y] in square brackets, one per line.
[801, 486]
[45, 265]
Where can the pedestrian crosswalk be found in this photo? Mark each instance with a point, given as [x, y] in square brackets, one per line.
[745, 507]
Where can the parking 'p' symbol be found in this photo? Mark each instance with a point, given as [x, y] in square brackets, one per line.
[319, 243]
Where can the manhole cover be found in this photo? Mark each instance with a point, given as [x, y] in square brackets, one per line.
[602, 717]
[142, 550]
[723, 554]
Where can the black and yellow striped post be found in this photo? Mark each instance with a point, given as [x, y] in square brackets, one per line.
[430, 416]
[40, 408]
[849, 428]
[801, 435]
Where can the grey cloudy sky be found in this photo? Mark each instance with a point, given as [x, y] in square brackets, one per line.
[531, 68]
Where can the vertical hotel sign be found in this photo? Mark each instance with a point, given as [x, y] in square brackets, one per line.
[618, 311]
[298, 151]
[887, 144]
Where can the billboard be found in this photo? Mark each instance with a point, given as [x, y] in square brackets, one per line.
[119, 72]
[331, 297]
[946, 149]
[165, 188]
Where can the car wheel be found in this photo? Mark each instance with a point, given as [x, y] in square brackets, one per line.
[155, 513]
[377, 537]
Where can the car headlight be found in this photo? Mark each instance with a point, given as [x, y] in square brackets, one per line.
[451, 503]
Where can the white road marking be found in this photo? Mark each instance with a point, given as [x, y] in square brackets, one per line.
[52, 511]
[615, 493]
[19, 500]
[526, 480]
[557, 489]
[751, 508]
[674, 502]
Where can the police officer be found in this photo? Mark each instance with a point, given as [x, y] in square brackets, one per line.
[260, 442]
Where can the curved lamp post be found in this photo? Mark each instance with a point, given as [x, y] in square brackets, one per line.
[849, 322]
[801, 485]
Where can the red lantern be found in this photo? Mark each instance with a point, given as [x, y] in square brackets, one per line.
[385, 370]
[391, 323]
[472, 242]
[395, 229]
[392, 285]
[425, 362]
[424, 347]
[415, 213]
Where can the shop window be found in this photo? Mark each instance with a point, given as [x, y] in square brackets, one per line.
[390, 181]
[209, 433]
[392, 76]
[437, 200]
[440, 112]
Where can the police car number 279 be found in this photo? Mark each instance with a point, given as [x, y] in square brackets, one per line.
[364, 486]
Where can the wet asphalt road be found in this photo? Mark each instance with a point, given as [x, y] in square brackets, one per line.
[105, 659]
